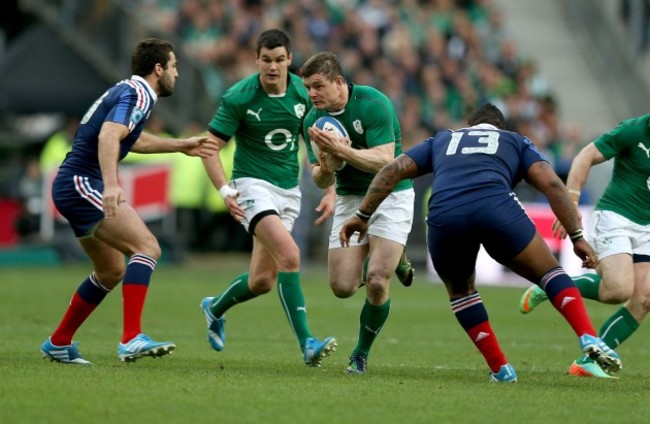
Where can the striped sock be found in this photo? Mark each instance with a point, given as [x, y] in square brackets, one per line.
[134, 291]
[566, 298]
[84, 301]
[472, 316]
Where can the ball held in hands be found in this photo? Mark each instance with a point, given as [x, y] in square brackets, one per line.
[328, 123]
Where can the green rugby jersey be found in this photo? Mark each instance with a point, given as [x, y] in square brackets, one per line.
[628, 192]
[266, 128]
[370, 120]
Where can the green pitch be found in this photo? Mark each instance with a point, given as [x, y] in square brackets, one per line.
[422, 369]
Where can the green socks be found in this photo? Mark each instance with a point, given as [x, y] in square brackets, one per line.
[293, 303]
[237, 292]
[588, 285]
[618, 328]
[371, 321]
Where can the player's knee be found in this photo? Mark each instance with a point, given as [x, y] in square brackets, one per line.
[262, 284]
[343, 289]
[377, 283]
[642, 297]
[289, 261]
[150, 247]
[110, 278]
[615, 292]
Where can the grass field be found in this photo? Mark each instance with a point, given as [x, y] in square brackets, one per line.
[423, 368]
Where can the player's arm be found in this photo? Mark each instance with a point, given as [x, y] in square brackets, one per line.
[322, 176]
[541, 176]
[108, 151]
[380, 187]
[217, 175]
[201, 145]
[384, 182]
[578, 174]
[580, 167]
[368, 160]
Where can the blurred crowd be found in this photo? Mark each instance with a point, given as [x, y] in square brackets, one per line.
[435, 59]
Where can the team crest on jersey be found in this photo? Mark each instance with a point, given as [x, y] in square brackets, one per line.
[299, 109]
[136, 116]
[357, 126]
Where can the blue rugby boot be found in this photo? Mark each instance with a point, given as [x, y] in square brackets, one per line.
[68, 354]
[597, 350]
[316, 350]
[216, 326]
[141, 346]
[506, 374]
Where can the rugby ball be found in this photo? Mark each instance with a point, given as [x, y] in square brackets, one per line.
[328, 123]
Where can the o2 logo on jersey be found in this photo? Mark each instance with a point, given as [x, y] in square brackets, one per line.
[136, 116]
[285, 137]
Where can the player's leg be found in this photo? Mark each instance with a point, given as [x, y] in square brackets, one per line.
[127, 233]
[454, 246]
[613, 238]
[383, 256]
[262, 272]
[280, 246]
[264, 269]
[625, 321]
[588, 284]
[344, 267]
[612, 284]
[78, 199]
[108, 270]
[537, 264]
[399, 206]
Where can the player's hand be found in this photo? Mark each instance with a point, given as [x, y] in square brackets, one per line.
[587, 253]
[325, 207]
[236, 211]
[327, 141]
[352, 225]
[558, 230]
[202, 146]
[322, 162]
[111, 199]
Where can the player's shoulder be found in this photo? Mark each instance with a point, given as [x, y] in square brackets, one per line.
[295, 83]
[243, 90]
[639, 124]
[313, 115]
[368, 92]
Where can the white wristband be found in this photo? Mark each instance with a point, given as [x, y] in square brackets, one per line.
[226, 191]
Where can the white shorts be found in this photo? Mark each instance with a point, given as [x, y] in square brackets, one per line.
[611, 234]
[393, 219]
[257, 196]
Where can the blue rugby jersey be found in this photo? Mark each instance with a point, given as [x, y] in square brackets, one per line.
[129, 102]
[472, 163]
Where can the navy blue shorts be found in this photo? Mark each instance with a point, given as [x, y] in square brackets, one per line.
[499, 223]
[79, 200]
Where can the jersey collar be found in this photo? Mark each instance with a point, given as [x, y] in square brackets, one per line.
[340, 112]
[146, 84]
[485, 127]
